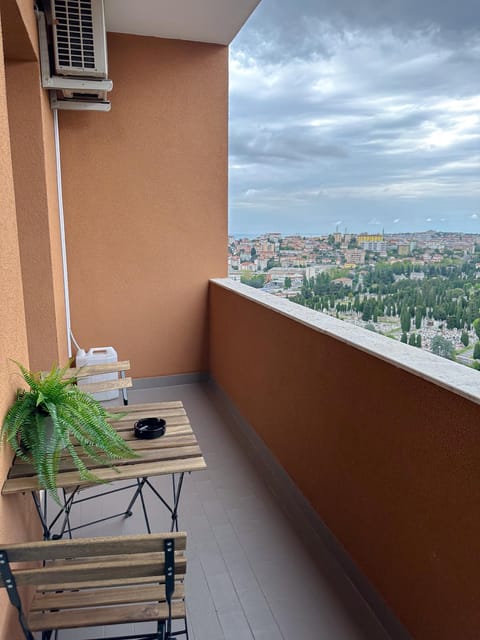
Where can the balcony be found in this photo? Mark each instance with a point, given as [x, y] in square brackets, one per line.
[381, 439]
[343, 481]
[251, 574]
[340, 482]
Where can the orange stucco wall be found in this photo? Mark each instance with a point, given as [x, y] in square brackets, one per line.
[16, 518]
[389, 461]
[30, 123]
[145, 192]
[33, 157]
[32, 313]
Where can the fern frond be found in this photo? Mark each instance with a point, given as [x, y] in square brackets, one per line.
[75, 416]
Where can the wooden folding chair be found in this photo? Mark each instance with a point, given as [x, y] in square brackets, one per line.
[121, 383]
[91, 582]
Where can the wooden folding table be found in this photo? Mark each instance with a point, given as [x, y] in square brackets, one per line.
[175, 453]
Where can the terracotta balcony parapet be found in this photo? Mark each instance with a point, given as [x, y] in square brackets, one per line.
[381, 439]
[455, 377]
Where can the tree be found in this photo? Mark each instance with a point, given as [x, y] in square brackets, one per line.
[419, 341]
[253, 253]
[476, 351]
[404, 338]
[405, 319]
[464, 338]
[253, 280]
[412, 340]
[367, 311]
[476, 326]
[288, 283]
[418, 317]
[451, 322]
[443, 347]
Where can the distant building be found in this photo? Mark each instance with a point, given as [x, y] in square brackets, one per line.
[369, 237]
[313, 271]
[234, 275]
[347, 282]
[248, 266]
[376, 247]
[267, 248]
[355, 256]
[417, 275]
[403, 249]
[262, 263]
[372, 242]
[278, 275]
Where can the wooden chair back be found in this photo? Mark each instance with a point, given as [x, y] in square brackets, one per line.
[97, 581]
[121, 382]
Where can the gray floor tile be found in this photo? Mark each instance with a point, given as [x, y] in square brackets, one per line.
[235, 626]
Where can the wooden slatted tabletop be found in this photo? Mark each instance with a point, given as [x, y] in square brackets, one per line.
[175, 452]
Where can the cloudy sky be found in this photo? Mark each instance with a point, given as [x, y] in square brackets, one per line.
[359, 113]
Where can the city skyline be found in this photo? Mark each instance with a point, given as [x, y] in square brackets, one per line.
[361, 115]
[354, 232]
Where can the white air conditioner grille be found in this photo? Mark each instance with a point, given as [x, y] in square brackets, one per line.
[75, 33]
[79, 37]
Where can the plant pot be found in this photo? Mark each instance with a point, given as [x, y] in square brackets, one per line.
[50, 434]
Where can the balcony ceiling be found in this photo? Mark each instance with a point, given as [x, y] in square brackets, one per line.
[216, 21]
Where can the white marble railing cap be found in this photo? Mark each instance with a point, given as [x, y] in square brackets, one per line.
[455, 377]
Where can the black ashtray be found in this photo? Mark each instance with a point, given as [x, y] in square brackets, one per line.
[149, 428]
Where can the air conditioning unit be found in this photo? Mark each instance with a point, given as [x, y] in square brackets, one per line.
[79, 38]
[73, 54]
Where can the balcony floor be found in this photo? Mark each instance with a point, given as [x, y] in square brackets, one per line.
[249, 575]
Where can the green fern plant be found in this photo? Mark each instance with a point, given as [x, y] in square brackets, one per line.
[79, 426]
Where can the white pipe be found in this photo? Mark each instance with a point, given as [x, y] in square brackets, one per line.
[61, 218]
[77, 346]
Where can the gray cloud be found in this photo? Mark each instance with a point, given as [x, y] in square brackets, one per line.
[300, 28]
[296, 144]
[366, 111]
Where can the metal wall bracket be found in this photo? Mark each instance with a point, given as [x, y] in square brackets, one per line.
[78, 105]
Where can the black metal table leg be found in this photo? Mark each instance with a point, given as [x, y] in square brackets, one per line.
[177, 490]
[67, 505]
[142, 500]
[140, 484]
[40, 511]
[68, 502]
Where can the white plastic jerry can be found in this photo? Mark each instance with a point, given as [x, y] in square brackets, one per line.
[98, 355]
